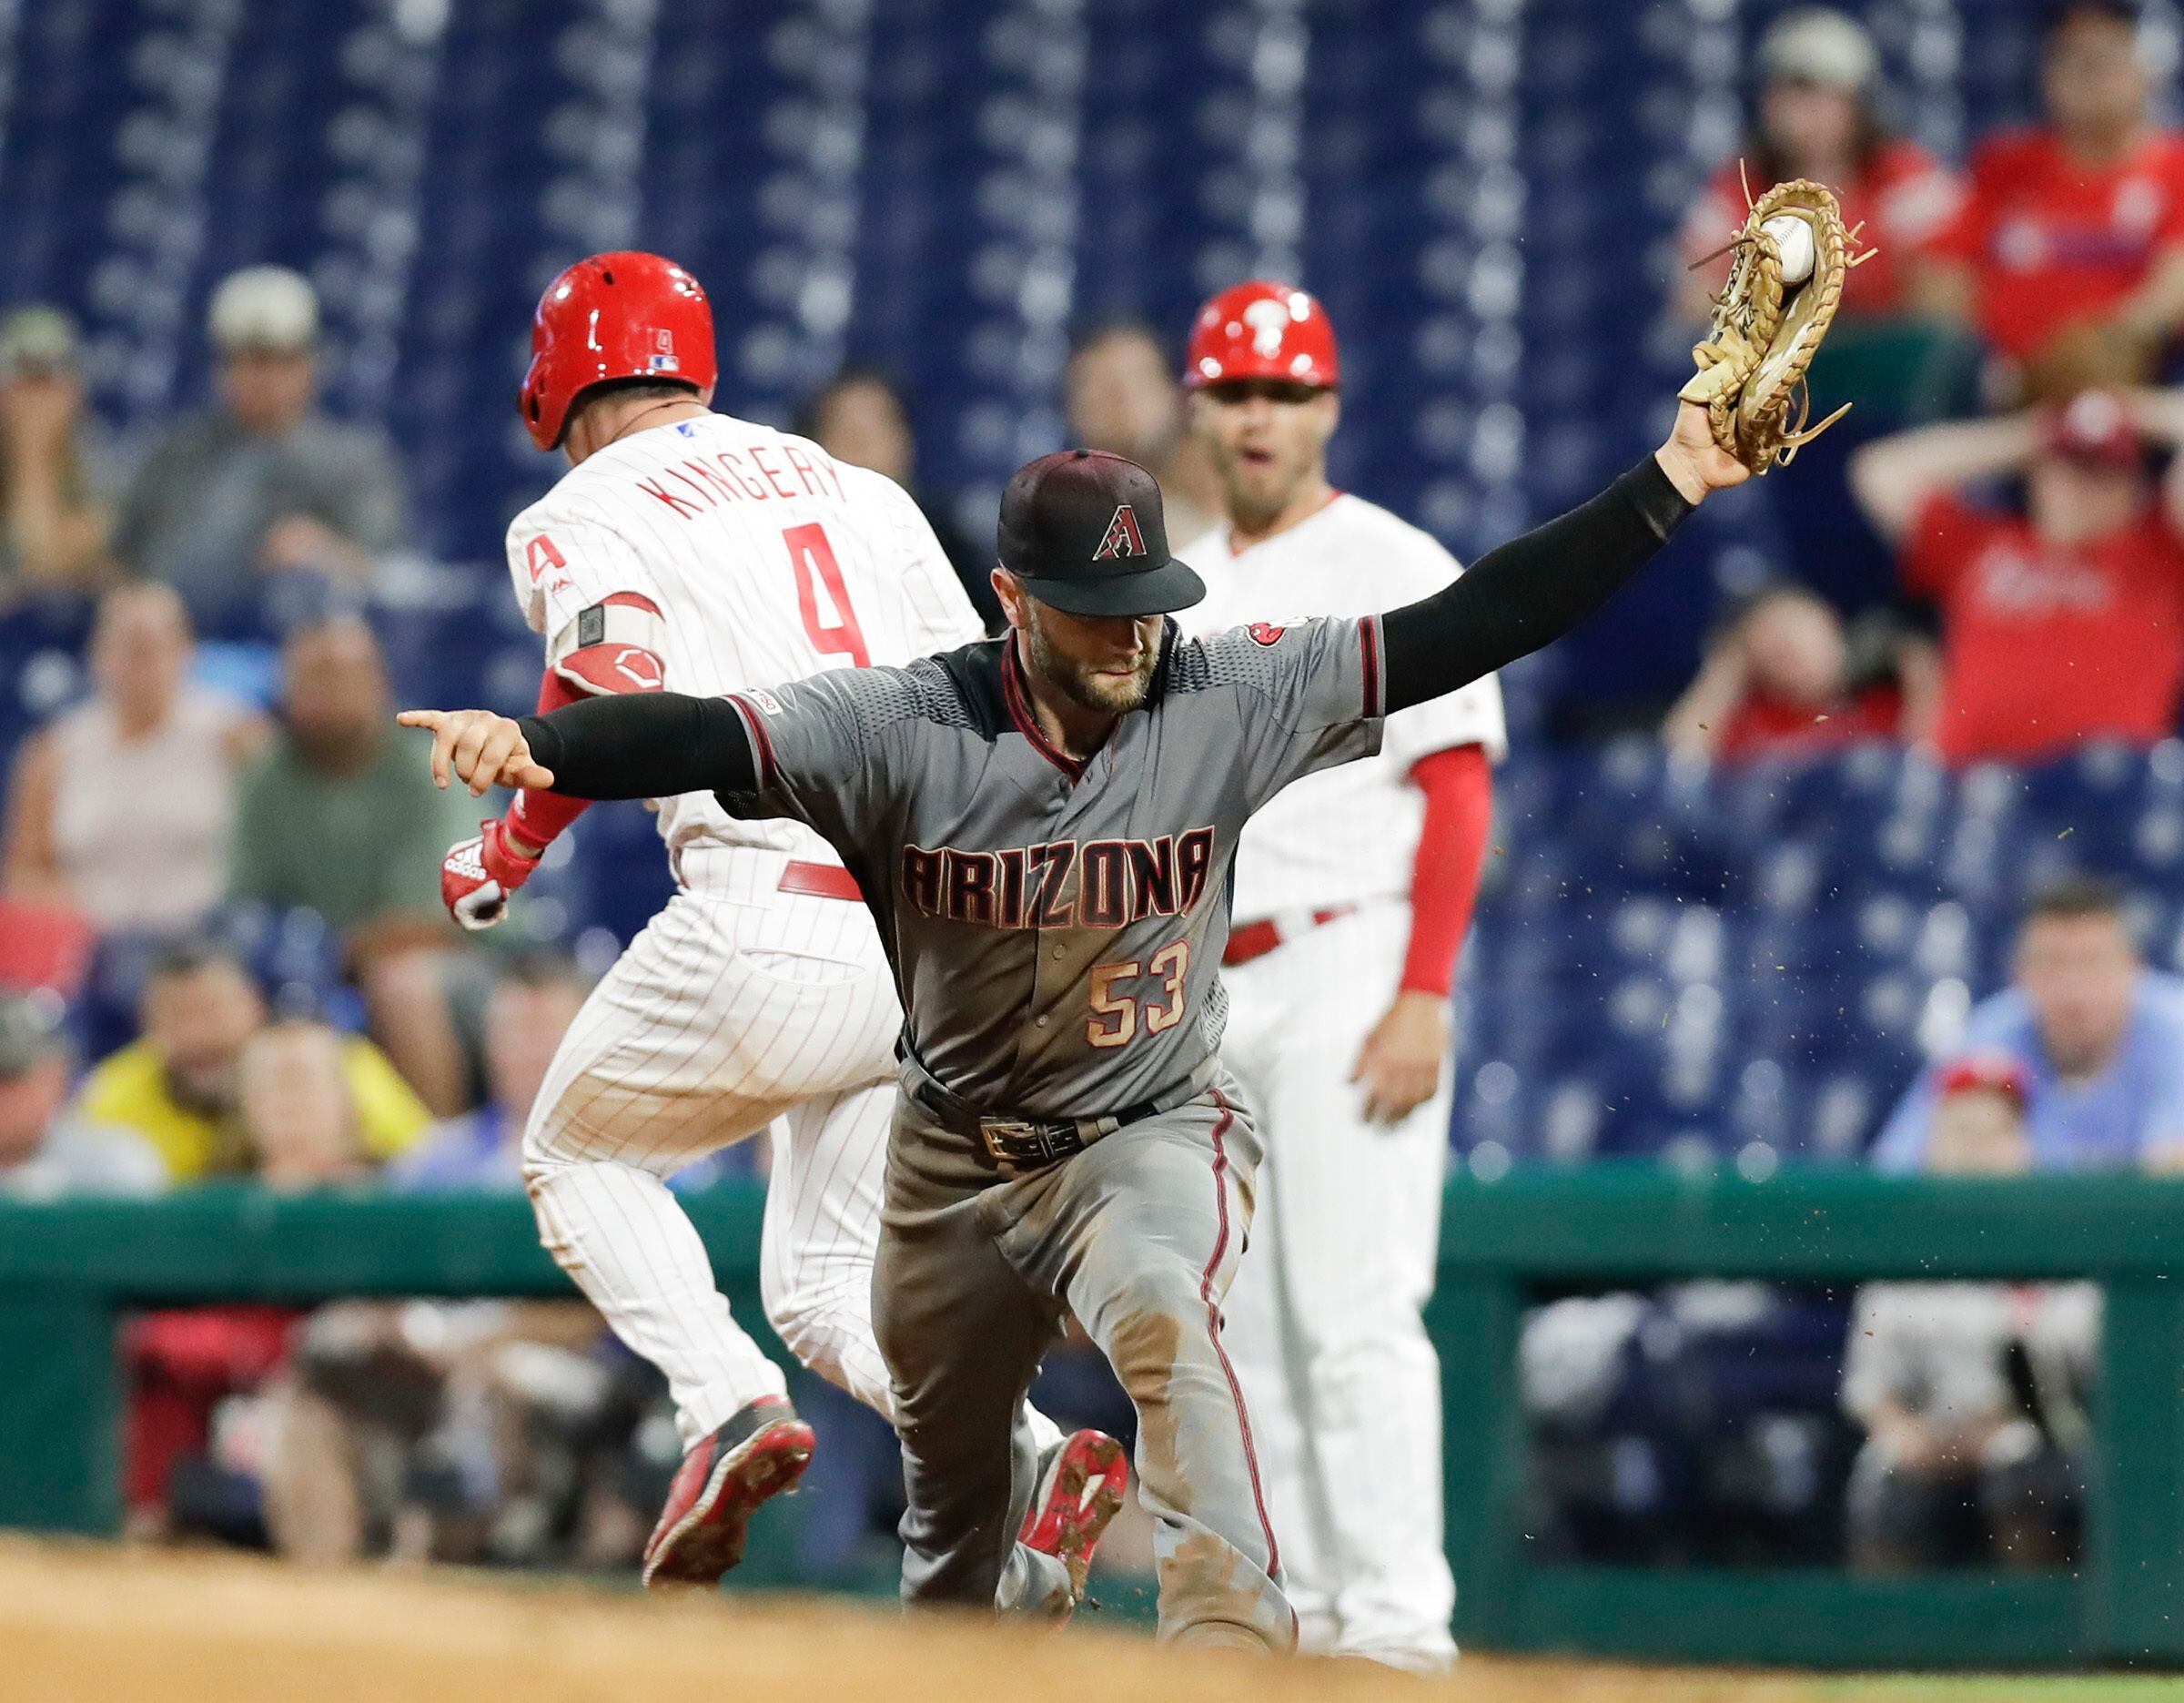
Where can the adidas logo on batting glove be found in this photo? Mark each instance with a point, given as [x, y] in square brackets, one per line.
[478, 875]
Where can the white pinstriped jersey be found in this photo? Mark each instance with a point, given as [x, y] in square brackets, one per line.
[1349, 834]
[768, 561]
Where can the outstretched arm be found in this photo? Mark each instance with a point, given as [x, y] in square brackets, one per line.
[1528, 593]
[650, 744]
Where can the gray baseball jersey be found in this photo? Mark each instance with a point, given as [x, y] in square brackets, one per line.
[1055, 927]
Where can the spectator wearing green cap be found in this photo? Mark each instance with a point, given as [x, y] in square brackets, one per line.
[53, 521]
[43, 1153]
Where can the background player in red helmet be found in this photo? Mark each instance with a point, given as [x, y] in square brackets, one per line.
[1353, 890]
[692, 551]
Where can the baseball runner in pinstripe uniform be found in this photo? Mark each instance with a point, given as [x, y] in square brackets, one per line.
[1043, 826]
[689, 548]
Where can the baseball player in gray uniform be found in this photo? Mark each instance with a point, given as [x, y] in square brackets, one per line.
[1043, 826]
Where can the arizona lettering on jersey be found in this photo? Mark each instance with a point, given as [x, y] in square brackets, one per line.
[1112, 884]
[1094, 893]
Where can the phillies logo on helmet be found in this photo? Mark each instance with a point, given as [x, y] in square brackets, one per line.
[1269, 319]
[1123, 538]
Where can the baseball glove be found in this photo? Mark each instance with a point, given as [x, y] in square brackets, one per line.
[1766, 332]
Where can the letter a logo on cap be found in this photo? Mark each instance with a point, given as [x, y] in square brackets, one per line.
[1123, 538]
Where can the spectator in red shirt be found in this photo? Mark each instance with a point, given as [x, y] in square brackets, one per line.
[1817, 116]
[1783, 678]
[2064, 622]
[1817, 113]
[2068, 254]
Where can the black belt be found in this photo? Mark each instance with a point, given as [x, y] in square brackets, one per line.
[1024, 1140]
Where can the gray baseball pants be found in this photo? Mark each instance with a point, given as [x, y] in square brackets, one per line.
[1137, 1236]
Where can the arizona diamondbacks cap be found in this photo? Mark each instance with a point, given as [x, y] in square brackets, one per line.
[1085, 532]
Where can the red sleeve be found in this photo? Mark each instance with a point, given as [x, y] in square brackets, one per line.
[1916, 201]
[538, 818]
[1444, 879]
[1942, 539]
[2169, 232]
[1963, 237]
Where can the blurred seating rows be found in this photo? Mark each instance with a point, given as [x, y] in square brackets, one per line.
[882, 182]
[1767, 945]
[1750, 964]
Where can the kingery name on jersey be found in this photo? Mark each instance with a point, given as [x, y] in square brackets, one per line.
[1104, 883]
[720, 476]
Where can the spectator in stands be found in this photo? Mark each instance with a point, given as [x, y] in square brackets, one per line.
[53, 517]
[265, 484]
[2068, 252]
[1817, 113]
[1817, 116]
[858, 416]
[466, 1431]
[388, 1399]
[1973, 1395]
[202, 1375]
[2065, 623]
[1122, 396]
[534, 1001]
[43, 1153]
[121, 809]
[1783, 678]
[298, 1107]
[333, 819]
[180, 1087]
[2100, 1038]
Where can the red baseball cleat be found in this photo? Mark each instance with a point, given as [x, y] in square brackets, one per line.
[760, 1452]
[1079, 1491]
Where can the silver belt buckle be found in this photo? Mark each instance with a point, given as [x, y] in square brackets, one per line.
[993, 1132]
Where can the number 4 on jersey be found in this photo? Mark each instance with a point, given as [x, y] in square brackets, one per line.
[821, 594]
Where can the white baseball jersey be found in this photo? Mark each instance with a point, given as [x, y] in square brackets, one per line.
[765, 559]
[1348, 834]
[1323, 1320]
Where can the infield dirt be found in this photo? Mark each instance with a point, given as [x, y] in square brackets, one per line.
[85, 1623]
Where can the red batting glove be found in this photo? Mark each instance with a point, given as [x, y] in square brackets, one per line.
[478, 875]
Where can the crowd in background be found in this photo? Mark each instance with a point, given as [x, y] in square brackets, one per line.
[1986, 561]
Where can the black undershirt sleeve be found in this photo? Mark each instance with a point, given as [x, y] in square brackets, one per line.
[643, 745]
[1529, 592]
[1516, 598]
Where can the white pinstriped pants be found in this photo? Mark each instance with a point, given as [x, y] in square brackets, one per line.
[725, 1014]
[1323, 1319]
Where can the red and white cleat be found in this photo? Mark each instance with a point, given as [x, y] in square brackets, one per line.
[760, 1452]
[1080, 1487]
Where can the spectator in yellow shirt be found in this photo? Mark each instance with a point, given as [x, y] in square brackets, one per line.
[178, 1087]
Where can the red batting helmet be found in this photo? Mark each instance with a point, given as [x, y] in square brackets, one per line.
[1263, 330]
[624, 315]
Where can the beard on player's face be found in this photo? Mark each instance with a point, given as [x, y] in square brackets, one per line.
[1105, 666]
